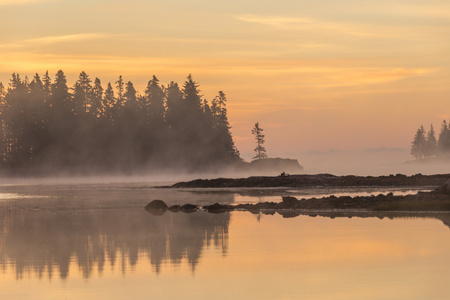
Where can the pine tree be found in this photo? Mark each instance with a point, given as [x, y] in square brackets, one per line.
[175, 106]
[39, 116]
[219, 112]
[96, 99]
[431, 143]
[60, 97]
[192, 96]
[419, 144]
[3, 142]
[82, 96]
[62, 123]
[130, 95]
[47, 82]
[154, 99]
[120, 91]
[108, 102]
[444, 139]
[260, 150]
[18, 119]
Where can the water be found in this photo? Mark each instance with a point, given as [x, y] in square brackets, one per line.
[90, 241]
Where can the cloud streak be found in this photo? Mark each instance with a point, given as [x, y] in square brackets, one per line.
[323, 26]
[55, 40]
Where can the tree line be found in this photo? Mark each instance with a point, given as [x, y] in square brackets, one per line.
[47, 125]
[426, 145]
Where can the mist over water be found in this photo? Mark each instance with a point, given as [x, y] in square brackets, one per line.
[367, 162]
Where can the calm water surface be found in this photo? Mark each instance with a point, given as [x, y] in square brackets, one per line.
[97, 242]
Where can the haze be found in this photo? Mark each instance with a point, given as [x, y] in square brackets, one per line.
[345, 75]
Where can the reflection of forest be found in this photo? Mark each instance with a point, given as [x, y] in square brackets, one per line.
[48, 241]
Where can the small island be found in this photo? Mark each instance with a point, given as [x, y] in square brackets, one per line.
[319, 180]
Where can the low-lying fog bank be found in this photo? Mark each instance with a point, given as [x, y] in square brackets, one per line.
[372, 162]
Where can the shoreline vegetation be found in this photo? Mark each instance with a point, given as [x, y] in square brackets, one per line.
[49, 127]
[434, 201]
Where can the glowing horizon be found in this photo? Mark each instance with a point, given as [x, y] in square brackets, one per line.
[317, 76]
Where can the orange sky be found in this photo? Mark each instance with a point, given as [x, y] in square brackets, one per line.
[317, 75]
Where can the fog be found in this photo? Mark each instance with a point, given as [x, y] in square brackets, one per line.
[86, 133]
[375, 162]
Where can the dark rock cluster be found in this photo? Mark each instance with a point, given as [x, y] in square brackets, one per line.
[316, 180]
[291, 206]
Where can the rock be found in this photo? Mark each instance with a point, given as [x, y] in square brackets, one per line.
[174, 208]
[216, 208]
[290, 201]
[156, 207]
[189, 208]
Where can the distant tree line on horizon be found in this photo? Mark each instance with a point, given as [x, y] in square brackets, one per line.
[426, 145]
[45, 124]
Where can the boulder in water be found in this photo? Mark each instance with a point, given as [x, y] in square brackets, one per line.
[189, 208]
[156, 207]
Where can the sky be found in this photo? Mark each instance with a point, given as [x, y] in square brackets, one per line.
[319, 76]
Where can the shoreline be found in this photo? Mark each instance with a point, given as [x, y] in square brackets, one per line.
[319, 180]
[424, 202]
[436, 200]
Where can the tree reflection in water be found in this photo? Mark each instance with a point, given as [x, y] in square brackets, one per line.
[48, 241]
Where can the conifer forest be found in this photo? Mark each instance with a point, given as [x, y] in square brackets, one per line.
[48, 126]
[425, 144]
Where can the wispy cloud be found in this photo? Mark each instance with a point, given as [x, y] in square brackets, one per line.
[54, 39]
[277, 21]
[324, 26]
[67, 38]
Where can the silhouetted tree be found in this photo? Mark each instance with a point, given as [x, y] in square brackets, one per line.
[175, 106]
[96, 99]
[444, 139]
[18, 122]
[39, 122]
[192, 96]
[62, 123]
[108, 102]
[154, 101]
[82, 96]
[418, 146]
[431, 143]
[47, 85]
[260, 150]
[219, 113]
[3, 128]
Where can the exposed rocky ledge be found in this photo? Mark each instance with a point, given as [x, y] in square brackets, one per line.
[437, 200]
[317, 180]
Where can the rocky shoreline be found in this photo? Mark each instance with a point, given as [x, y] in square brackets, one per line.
[328, 180]
[291, 206]
[423, 201]
[437, 200]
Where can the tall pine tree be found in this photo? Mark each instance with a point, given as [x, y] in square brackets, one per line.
[260, 150]
[418, 146]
